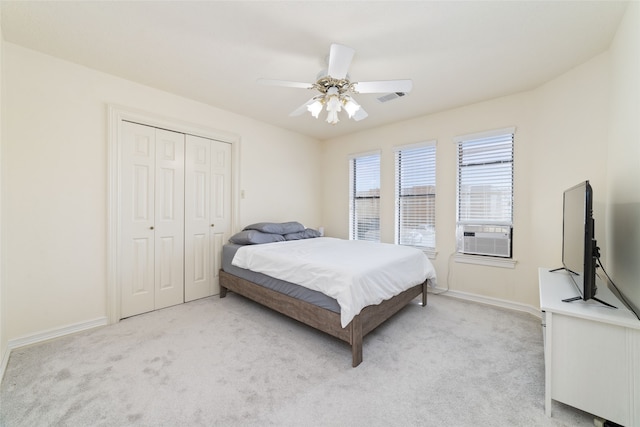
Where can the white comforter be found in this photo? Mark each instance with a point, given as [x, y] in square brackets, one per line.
[356, 273]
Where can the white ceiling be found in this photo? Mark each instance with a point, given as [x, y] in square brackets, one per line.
[456, 52]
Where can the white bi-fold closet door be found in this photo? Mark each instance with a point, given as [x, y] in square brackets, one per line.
[207, 214]
[175, 216]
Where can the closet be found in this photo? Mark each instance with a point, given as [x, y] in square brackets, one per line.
[175, 214]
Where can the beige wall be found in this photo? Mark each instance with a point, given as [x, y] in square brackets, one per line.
[623, 167]
[55, 195]
[561, 132]
[3, 335]
[571, 121]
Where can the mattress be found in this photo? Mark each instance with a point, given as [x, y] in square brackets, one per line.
[356, 273]
[291, 289]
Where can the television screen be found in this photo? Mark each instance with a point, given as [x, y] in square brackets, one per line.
[578, 243]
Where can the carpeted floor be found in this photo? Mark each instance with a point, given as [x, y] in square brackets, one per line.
[231, 362]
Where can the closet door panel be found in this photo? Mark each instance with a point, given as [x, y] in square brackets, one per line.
[137, 189]
[199, 261]
[220, 205]
[141, 267]
[169, 223]
[198, 265]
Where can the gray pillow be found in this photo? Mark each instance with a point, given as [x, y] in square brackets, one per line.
[276, 227]
[309, 233]
[255, 237]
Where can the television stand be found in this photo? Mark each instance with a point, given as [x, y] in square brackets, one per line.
[565, 269]
[594, 298]
[578, 297]
[591, 353]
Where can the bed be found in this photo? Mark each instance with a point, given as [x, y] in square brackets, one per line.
[341, 287]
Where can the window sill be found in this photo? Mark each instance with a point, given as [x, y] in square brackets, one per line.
[429, 252]
[486, 260]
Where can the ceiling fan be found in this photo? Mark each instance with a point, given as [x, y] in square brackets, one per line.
[336, 89]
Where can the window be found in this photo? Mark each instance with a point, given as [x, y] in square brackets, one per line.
[485, 193]
[416, 195]
[364, 203]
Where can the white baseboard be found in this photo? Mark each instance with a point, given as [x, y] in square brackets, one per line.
[47, 335]
[496, 302]
[5, 362]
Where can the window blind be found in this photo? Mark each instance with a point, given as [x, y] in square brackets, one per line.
[416, 195]
[485, 180]
[364, 209]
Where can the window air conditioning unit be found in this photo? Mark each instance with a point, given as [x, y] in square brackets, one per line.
[489, 240]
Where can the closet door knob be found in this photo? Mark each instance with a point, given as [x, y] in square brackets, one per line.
[212, 225]
[151, 228]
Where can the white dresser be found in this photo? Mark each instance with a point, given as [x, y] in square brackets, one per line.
[592, 352]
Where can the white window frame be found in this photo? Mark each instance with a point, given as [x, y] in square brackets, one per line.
[354, 230]
[501, 225]
[429, 249]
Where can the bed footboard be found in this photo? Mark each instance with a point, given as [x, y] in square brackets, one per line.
[320, 318]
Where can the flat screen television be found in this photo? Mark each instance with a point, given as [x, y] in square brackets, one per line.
[580, 251]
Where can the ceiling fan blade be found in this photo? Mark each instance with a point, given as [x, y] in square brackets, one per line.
[340, 57]
[302, 109]
[285, 83]
[384, 86]
[360, 114]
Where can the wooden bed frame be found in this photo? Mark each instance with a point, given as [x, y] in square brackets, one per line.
[321, 318]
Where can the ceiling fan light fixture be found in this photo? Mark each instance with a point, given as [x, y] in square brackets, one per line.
[333, 104]
[332, 117]
[315, 108]
[350, 106]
